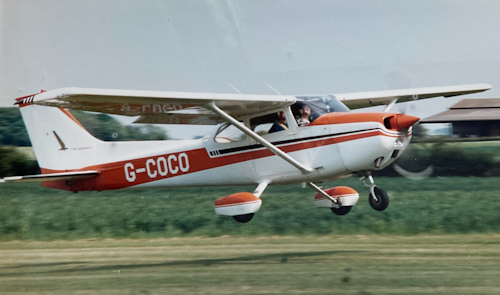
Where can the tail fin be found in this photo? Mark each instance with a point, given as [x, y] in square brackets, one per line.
[60, 142]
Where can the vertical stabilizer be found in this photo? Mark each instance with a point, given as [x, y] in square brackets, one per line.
[60, 142]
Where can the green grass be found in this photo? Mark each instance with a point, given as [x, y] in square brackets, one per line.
[362, 264]
[432, 206]
[438, 236]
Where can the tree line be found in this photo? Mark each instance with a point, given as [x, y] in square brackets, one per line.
[104, 127]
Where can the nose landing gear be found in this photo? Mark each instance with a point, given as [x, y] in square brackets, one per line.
[378, 198]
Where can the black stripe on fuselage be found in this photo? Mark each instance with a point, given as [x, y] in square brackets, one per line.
[278, 143]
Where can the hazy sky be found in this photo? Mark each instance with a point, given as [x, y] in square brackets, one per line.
[298, 47]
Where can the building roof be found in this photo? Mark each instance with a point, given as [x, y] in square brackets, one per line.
[483, 109]
[478, 103]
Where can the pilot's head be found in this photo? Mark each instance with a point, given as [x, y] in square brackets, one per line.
[305, 109]
[282, 117]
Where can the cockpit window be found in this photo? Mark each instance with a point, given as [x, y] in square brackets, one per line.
[319, 105]
[229, 133]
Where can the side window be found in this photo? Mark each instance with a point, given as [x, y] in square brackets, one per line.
[318, 105]
[264, 124]
[229, 133]
[263, 129]
[302, 113]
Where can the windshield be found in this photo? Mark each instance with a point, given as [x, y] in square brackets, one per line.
[229, 133]
[319, 105]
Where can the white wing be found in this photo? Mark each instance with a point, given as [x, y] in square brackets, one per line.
[165, 107]
[366, 99]
[159, 106]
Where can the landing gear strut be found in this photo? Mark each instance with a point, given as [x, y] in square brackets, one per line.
[378, 198]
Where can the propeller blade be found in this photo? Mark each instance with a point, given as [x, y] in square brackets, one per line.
[414, 175]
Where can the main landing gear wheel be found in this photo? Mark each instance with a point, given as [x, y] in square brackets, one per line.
[381, 200]
[243, 218]
[342, 210]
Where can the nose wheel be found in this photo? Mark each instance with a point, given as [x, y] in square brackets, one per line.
[378, 198]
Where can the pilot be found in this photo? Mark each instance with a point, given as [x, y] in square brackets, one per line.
[305, 112]
[280, 124]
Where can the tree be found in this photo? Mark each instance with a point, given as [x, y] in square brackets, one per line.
[419, 131]
[12, 130]
[13, 162]
[107, 128]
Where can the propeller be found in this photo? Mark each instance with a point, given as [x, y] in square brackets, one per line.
[397, 79]
[404, 123]
[427, 172]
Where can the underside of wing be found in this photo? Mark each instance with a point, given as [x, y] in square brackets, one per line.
[160, 107]
[51, 176]
[373, 98]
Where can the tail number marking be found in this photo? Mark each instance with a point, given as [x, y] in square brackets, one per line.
[160, 166]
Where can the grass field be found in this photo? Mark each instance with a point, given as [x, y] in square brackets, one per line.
[437, 205]
[438, 236]
[355, 264]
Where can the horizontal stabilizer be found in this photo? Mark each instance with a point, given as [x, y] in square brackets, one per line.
[52, 176]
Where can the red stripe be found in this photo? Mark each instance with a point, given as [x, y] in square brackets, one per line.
[21, 103]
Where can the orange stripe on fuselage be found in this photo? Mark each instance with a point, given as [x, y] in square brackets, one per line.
[67, 113]
[112, 175]
[347, 117]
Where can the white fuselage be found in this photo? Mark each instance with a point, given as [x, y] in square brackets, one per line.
[335, 146]
[332, 151]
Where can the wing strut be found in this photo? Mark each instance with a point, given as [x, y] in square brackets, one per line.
[265, 143]
[261, 187]
[389, 106]
[323, 193]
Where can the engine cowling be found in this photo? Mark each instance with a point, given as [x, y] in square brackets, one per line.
[237, 204]
[348, 197]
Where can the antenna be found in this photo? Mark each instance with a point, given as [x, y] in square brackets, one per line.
[273, 89]
[233, 87]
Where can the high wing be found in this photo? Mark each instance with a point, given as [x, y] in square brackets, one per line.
[160, 106]
[165, 107]
[357, 100]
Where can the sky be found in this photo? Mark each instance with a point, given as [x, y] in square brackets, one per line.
[297, 47]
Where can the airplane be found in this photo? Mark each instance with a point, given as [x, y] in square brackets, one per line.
[241, 149]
